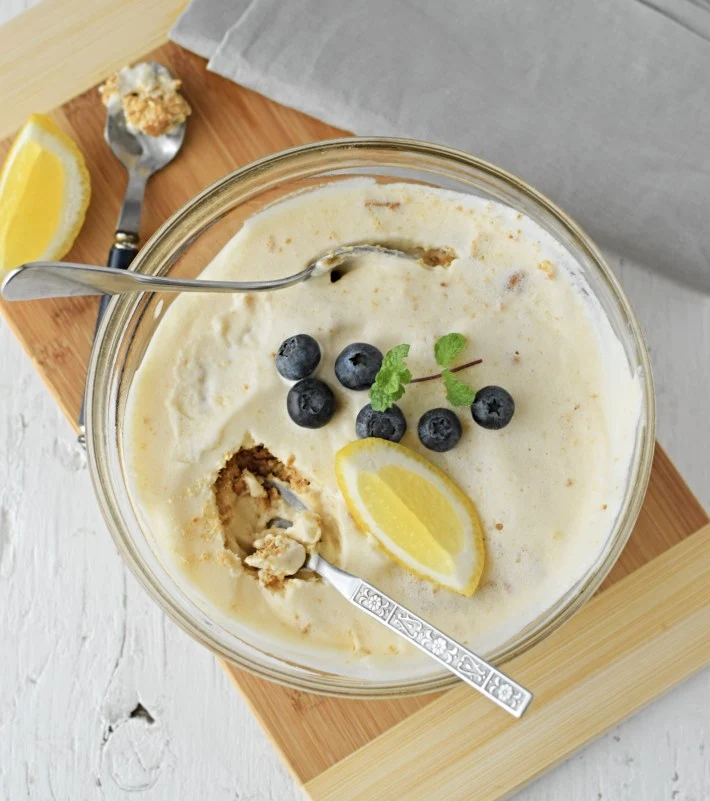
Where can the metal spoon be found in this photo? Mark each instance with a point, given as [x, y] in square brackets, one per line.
[142, 156]
[464, 664]
[46, 279]
[449, 653]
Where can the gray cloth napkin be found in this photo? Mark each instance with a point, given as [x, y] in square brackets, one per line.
[604, 106]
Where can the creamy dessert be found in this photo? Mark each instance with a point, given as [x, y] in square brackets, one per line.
[216, 444]
[149, 96]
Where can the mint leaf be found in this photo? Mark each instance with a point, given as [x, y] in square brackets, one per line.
[379, 399]
[391, 379]
[448, 348]
[394, 359]
[457, 393]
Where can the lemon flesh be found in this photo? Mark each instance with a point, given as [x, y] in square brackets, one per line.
[44, 194]
[418, 515]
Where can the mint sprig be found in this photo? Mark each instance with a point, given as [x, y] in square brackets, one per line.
[393, 376]
[391, 379]
[446, 349]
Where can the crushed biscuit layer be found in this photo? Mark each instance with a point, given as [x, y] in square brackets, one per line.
[258, 525]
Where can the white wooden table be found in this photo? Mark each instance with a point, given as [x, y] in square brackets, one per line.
[101, 695]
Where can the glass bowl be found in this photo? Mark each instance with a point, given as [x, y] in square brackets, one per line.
[187, 242]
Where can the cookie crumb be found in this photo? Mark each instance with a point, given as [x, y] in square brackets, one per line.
[435, 257]
[479, 246]
[392, 205]
[548, 268]
[516, 281]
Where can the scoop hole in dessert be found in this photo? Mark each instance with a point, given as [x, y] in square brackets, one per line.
[245, 501]
[257, 494]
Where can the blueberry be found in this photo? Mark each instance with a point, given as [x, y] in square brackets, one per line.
[389, 425]
[493, 408]
[439, 430]
[357, 365]
[298, 357]
[310, 403]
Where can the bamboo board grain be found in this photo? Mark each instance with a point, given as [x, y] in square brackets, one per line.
[60, 48]
[325, 740]
[329, 729]
[626, 644]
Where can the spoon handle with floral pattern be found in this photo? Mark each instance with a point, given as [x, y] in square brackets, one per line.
[469, 667]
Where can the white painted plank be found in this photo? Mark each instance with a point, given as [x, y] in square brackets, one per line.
[81, 645]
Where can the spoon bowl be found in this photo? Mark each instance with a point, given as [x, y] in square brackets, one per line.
[142, 156]
[137, 150]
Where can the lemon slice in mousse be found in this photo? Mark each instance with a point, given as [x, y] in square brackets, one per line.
[421, 518]
[44, 194]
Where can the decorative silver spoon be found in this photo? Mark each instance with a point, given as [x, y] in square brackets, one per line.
[464, 664]
[449, 653]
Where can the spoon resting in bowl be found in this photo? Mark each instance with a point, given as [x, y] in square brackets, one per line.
[449, 653]
[44, 279]
[463, 663]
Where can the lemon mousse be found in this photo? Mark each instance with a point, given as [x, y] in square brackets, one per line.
[457, 429]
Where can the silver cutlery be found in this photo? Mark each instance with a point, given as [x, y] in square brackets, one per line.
[463, 663]
[46, 279]
[142, 156]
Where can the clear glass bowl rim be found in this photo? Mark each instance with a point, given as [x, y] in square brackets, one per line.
[158, 255]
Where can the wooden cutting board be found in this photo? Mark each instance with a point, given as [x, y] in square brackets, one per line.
[648, 628]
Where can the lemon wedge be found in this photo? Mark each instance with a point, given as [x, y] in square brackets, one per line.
[44, 193]
[421, 518]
